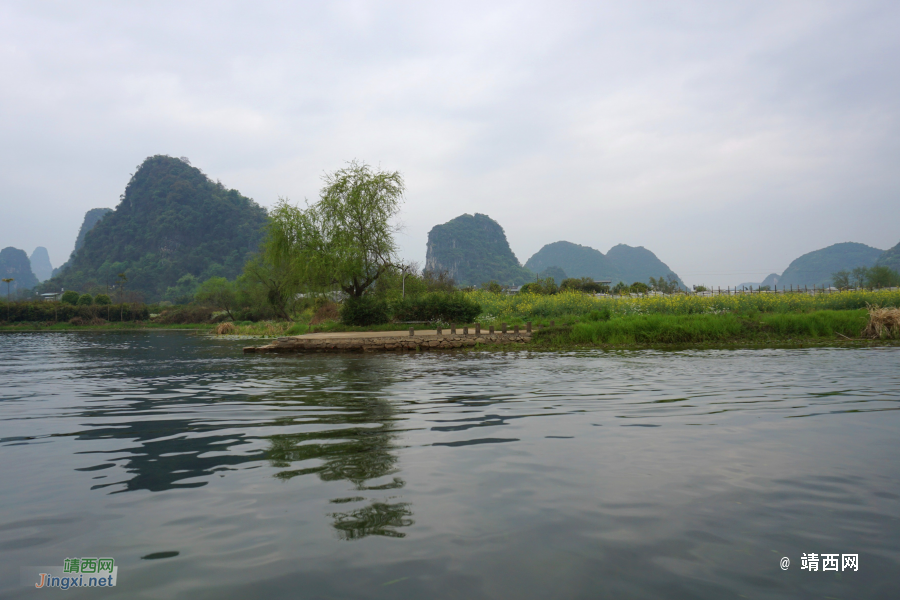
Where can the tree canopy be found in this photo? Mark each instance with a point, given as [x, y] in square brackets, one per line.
[346, 239]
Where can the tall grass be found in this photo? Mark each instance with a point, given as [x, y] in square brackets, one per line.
[707, 328]
[534, 306]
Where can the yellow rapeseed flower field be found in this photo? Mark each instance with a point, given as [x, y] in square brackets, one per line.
[532, 306]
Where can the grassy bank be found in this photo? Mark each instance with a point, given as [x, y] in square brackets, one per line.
[126, 326]
[569, 305]
[707, 329]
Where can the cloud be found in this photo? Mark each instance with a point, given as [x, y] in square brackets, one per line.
[727, 138]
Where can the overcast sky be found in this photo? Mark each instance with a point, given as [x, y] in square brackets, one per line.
[726, 137]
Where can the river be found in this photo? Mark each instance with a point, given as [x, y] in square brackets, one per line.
[205, 473]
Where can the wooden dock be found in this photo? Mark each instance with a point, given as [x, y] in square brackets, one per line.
[390, 341]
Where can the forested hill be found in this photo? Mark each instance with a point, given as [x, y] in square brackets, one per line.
[576, 260]
[817, 267]
[91, 218]
[891, 258]
[172, 221]
[474, 250]
[622, 263]
[639, 264]
[14, 264]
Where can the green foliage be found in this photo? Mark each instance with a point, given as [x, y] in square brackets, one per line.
[473, 249]
[85, 300]
[364, 310]
[61, 312]
[879, 276]
[172, 221]
[533, 306]
[219, 293]
[181, 315]
[584, 284]
[437, 307]
[70, 297]
[268, 288]
[667, 285]
[183, 290]
[541, 286]
[492, 286]
[102, 300]
[639, 288]
[390, 286]
[599, 315]
[344, 240]
[700, 288]
[700, 328]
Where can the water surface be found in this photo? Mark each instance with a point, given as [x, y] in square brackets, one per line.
[209, 474]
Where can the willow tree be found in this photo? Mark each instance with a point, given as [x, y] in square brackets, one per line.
[346, 239]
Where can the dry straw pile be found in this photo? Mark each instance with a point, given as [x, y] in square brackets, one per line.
[225, 329]
[883, 323]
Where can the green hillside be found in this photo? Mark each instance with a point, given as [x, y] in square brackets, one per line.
[576, 260]
[91, 218]
[14, 264]
[890, 258]
[172, 221]
[474, 250]
[621, 263]
[638, 264]
[816, 268]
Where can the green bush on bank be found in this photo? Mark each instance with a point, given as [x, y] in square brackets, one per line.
[437, 308]
[363, 311]
[44, 312]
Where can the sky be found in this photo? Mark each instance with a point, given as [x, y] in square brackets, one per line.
[727, 137]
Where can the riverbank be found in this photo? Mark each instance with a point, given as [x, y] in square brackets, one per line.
[703, 330]
[126, 326]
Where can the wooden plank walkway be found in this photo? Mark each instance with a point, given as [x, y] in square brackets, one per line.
[386, 341]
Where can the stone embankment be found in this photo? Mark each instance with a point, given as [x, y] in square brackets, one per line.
[388, 341]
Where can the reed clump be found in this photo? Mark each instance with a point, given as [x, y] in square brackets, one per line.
[225, 329]
[883, 323]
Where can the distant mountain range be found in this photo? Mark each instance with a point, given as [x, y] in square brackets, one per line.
[817, 268]
[473, 249]
[622, 263]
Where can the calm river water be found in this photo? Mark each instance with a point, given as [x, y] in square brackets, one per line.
[205, 473]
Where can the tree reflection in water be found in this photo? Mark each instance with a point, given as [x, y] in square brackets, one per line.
[358, 450]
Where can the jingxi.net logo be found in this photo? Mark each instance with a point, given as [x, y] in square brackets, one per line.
[75, 572]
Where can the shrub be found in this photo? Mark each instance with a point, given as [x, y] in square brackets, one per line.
[328, 311]
[85, 300]
[599, 315]
[364, 311]
[185, 314]
[76, 321]
[102, 300]
[438, 307]
[70, 297]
